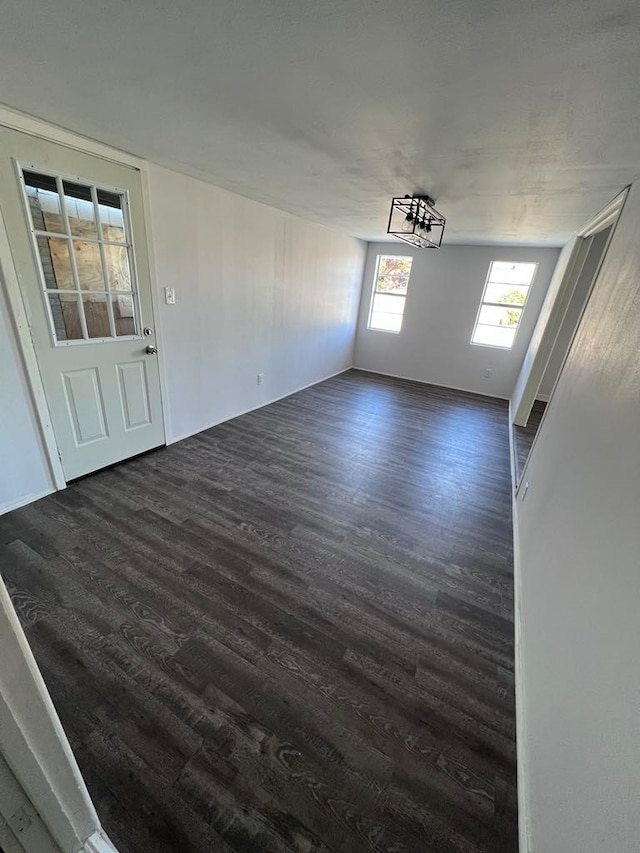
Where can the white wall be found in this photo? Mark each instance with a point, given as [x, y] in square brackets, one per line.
[24, 472]
[257, 291]
[578, 573]
[442, 303]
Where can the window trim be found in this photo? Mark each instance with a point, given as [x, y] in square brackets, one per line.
[374, 292]
[484, 303]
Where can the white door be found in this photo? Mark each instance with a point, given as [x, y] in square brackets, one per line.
[76, 229]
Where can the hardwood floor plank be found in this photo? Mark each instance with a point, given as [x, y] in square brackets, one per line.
[291, 633]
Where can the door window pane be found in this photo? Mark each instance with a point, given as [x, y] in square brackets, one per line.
[118, 271]
[80, 210]
[44, 203]
[124, 314]
[56, 264]
[96, 315]
[65, 316]
[89, 265]
[111, 218]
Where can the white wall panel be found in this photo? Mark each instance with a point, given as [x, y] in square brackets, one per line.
[257, 291]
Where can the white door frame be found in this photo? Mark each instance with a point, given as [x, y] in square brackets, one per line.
[21, 827]
[17, 304]
[534, 368]
[35, 748]
[18, 316]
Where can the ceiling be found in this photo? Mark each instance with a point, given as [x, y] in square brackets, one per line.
[521, 117]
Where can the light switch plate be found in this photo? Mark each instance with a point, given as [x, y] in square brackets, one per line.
[170, 295]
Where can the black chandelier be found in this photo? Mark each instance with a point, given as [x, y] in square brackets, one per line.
[415, 220]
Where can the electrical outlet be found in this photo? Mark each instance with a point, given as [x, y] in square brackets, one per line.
[170, 295]
[260, 378]
[488, 373]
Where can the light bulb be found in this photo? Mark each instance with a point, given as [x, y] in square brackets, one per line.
[407, 225]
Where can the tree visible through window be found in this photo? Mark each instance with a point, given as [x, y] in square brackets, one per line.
[389, 292]
[503, 301]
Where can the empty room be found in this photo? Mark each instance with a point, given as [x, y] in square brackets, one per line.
[319, 406]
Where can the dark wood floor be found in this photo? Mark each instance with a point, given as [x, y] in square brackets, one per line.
[292, 632]
[524, 436]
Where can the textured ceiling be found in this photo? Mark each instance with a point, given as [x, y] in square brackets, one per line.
[522, 119]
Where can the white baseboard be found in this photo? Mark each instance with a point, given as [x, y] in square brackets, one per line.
[29, 499]
[173, 440]
[524, 820]
[424, 382]
[99, 842]
[521, 751]
[512, 455]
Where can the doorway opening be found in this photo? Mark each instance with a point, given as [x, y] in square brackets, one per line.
[556, 329]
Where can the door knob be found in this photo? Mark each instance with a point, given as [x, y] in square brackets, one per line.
[151, 349]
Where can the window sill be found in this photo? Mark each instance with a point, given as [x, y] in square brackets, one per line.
[491, 346]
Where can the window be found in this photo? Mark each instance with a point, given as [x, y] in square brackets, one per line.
[503, 301]
[389, 292]
[81, 236]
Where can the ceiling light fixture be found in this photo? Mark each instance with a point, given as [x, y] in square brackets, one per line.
[415, 220]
